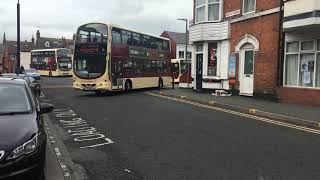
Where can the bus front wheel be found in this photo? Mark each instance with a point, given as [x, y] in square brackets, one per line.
[128, 86]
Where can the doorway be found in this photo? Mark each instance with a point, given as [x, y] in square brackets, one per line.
[246, 72]
[199, 70]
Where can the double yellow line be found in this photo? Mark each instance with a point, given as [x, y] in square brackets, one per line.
[283, 124]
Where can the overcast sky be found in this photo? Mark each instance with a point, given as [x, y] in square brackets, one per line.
[57, 18]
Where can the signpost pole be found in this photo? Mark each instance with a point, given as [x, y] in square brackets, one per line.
[18, 38]
[186, 52]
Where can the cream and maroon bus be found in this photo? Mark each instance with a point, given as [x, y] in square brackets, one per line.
[52, 62]
[112, 58]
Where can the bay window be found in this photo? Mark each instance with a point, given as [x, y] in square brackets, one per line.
[200, 10]
[208, 10]
[212, 59]
[302, 64]
[214, 10]
[249, 6]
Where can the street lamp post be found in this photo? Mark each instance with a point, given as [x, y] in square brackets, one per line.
[186, 51]
[18, 37]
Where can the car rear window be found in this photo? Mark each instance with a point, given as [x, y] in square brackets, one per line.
[14, 99]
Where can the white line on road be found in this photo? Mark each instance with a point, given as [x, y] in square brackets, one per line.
[57, 150]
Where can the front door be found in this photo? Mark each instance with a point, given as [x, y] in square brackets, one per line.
[246, 72]
[116, 75]
[199, 70]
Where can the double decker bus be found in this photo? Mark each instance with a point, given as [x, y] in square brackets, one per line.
[112, 58]
[52, 62]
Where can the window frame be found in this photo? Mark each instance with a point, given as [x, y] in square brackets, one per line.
[315, 52]
[306, 51]
[181, 55]
[250, 12]
[206, 11]
[215, 46]
[220, 10]
[196, 11]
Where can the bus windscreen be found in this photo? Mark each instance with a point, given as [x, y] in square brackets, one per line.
[91, 51]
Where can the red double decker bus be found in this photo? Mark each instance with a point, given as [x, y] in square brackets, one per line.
[112, 58]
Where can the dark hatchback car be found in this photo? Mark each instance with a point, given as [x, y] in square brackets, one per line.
[34, 85]
[22, 135]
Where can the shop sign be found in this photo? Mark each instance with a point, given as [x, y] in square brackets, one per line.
[233, 13]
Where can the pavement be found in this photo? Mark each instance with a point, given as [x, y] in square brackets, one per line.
[138, 136]
[297, 114]
[53, 168]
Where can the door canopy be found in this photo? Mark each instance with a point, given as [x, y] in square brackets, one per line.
[247, 39]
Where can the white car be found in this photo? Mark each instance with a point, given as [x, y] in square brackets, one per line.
[33, 73]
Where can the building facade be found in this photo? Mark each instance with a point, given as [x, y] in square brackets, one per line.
[254, 43]
[301, 65]
[10, 55]
[52, 43]
[209, 36]
[1, 57]
[235, 45]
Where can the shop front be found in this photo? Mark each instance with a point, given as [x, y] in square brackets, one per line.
[301, 73]
[210, 55]
[301, 65]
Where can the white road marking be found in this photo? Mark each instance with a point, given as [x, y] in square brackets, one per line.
[80, 129]
[57, 150]
[108, 141]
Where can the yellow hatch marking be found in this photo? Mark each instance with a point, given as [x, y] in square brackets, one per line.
[301, 128]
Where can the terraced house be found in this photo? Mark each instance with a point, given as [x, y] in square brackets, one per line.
[235, 44]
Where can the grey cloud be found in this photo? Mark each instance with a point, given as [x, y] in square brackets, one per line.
[58, 18]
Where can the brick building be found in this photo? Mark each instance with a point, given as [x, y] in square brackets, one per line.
[1, 57]
[301, 65]
[236, 45]
[255, 45]
[52, 43]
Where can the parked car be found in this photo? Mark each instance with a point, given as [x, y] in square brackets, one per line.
[23, 138]
[33, 73]
[34, 85]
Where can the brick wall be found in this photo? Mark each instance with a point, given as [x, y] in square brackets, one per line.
[266, 30]
[173, 45]
[262, 5]
[300, 96]
[232, 5]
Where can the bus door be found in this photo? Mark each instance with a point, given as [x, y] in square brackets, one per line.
[175, 69]
[117, 79]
